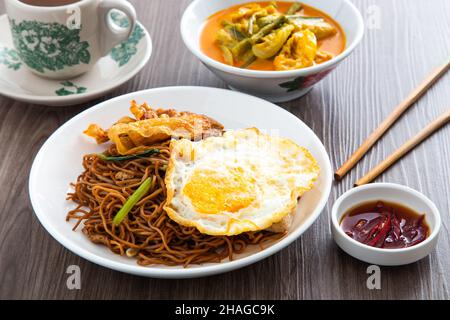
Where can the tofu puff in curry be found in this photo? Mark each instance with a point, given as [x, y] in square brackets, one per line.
[272, 36]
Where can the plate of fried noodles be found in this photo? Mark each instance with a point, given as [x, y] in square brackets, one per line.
[180, 182]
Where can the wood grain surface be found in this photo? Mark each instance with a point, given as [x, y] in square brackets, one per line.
[413, 37]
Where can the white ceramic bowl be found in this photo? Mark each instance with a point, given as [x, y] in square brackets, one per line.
[392, 193]
[59, 162]
[267, 84]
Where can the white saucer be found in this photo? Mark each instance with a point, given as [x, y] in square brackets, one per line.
[124, 62]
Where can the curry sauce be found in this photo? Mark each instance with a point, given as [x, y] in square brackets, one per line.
[334, 44]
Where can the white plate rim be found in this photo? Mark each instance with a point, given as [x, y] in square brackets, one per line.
[201, 271]
[87, 95]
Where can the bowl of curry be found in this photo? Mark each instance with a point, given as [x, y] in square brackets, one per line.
[277, 50]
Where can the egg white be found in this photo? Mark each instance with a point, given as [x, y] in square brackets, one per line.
[278, 170]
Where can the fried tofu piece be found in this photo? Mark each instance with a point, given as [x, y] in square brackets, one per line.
[318, 26]
[322, 29]
[298, 52]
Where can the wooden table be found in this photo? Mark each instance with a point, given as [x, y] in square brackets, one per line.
[412, 38]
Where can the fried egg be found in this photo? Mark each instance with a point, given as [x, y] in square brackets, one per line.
[242, 181]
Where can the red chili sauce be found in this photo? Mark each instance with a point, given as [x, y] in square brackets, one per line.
[385, 225]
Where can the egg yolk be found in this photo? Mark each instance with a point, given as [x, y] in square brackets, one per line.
[212, 191]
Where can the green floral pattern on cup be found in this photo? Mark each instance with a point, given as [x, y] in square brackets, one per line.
[10, 58]
[69, 88]
[122, 53]
[120, 19]
[50, 46]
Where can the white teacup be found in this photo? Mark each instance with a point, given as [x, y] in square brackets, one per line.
[66, 40]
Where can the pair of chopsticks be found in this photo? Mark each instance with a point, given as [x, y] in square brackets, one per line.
[388, 122]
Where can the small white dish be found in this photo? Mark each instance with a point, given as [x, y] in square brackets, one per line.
[123, 63]
[275, 86]
[393, 193]
[50, 176]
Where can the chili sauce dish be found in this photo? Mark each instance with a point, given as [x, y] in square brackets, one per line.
[385, 224]
[277, 50]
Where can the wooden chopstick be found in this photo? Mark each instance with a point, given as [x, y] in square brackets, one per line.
[390, 120]
[404, 149]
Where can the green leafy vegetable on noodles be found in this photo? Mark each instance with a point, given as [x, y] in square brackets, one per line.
[130, 157]
[132, 200]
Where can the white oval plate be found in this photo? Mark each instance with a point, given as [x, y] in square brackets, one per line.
[59, 162]
[123, 63]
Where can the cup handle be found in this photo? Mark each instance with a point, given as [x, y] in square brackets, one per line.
[111, 34]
